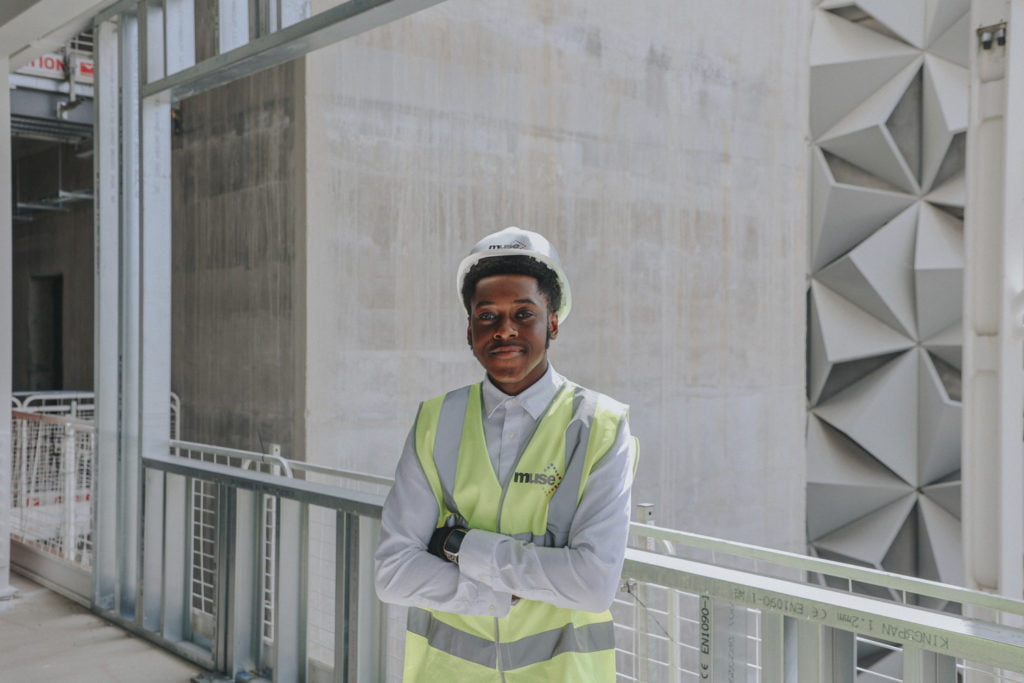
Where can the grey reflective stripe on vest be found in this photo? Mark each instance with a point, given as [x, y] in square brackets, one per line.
[569, 638]
[515, 655]
[562, 506]
[449, 639]
[447, 439]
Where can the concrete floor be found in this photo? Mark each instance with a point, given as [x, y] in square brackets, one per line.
[46, 637]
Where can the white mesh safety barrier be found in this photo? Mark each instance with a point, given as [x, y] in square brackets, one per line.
[52, 484]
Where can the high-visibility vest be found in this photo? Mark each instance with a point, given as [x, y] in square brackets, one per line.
[536, 641]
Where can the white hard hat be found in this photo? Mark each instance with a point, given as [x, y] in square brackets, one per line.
[519, 242]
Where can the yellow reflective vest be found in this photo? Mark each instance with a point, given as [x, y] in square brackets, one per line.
[536, 641]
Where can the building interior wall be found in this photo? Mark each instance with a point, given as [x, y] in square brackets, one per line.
[662, 148]
[237, 196]
[52, 244]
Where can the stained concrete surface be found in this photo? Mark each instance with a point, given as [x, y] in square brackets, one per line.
[46, 637]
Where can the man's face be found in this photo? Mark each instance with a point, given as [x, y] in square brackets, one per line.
[509, 327]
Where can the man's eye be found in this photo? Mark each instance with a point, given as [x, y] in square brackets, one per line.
[485, 316]
[524, 314]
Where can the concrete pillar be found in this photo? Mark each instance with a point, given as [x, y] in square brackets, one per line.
[993, 378]
[5, 330]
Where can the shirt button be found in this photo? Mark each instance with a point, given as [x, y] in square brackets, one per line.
[491, 609]
[511, 435]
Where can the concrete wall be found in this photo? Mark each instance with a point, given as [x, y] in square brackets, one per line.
[660, 145]
[54, 244]
[238, 191]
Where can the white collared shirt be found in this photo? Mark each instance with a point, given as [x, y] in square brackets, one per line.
[493, 567]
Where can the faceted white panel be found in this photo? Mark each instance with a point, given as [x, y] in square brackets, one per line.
[938, 270]
[842, 215]
[939, 431]
[840, 332]
[878, 274]
[843, 481]
[948, 344]
[905, 18]
[941, 548]
[880, 414]
[848, 63]
[944, 112]
[886, 263]
[862, 138]
[946, 495]
[951, 193]
[948, 32]
[869, 538]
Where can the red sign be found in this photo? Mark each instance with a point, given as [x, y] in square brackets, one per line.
[51, 65]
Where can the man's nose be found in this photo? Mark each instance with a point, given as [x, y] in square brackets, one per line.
[506, 328]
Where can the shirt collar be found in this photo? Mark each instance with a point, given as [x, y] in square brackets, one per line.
[534, 399]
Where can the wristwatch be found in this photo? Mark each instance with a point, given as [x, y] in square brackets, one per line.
[452, 543]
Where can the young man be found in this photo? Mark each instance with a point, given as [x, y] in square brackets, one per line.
[506, 527]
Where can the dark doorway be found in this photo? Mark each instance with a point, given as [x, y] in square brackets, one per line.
[45, 332]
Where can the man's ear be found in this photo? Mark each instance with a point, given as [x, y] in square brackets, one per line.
[469, 335]
[553, 325]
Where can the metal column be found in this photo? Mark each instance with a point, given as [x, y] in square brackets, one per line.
[107, 315]
[993, 381]
[6, 286]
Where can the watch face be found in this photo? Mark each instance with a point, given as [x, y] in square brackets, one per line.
[452, 543]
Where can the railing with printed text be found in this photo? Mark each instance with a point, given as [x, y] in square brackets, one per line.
[691, 607]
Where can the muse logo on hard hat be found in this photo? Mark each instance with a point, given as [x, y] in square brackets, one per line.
[515, 245]
[518, 242]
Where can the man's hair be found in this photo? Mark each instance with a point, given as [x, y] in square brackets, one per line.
[547, 280]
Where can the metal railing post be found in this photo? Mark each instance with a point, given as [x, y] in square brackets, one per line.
[290, 663]
[23, 455]
[69, 467]
[922, 666]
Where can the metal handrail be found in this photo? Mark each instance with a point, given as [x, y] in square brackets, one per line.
[908, 625]
[266, 458]
[313, 493]
[782, 558]
[877, 577]
[76, 422]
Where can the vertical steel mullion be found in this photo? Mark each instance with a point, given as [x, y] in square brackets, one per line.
[825, 654]
[346, 536]
[291, 11]
[153, 167]
[6, 314]
[290, 589]
[244, 604]
[106, 327]
[773, 653]
[152, 579]
[674, 637]
[370, 618]
[232, 25]
[129, 474]
[190, 556]
[923, 666]
[177, 545]
[224, 524]
[179, 35]
[809, 652]
[152, 44]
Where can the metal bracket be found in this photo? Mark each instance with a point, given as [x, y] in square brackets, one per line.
[995, 33]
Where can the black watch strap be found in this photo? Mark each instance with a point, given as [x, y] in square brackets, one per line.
[452, 543]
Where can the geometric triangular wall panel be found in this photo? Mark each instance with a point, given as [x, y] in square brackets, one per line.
[888, 117]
